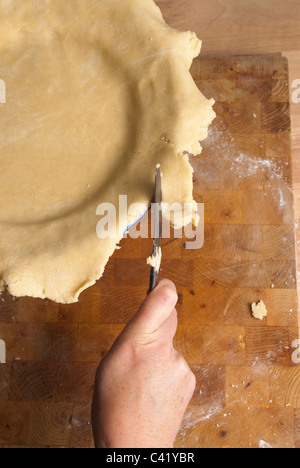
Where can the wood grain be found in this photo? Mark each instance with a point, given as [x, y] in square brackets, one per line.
[232, 27]
[236, 27]
[247, 391]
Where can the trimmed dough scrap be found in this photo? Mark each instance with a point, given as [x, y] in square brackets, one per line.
[155, 260]
[98, 93]
[259, 310]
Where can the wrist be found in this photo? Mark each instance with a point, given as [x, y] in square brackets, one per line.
[133, 442]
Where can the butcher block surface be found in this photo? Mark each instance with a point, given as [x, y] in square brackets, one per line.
[248, 379]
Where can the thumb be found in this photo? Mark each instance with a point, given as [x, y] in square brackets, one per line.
[155, 310]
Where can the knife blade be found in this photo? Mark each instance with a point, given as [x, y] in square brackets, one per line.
[157, 230]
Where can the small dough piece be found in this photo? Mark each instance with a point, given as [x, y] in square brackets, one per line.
[98, 93]
[155, 260]
[259, 310]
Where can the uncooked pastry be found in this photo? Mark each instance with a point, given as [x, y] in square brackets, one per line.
[259, 310]
[98, 93]
[155, 260]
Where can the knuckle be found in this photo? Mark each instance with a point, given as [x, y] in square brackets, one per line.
[185, 369]
[193, 381]
[181, 363]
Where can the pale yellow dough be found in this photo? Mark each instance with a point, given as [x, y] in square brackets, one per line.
[155, 260]
[98, 93]
[259, 310]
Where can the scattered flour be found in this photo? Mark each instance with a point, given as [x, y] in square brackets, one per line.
[244, 165]
[264, 445]
[197, 415]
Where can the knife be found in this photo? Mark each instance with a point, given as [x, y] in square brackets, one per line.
[156, 255]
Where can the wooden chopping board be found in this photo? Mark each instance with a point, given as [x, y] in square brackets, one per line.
[248, 387]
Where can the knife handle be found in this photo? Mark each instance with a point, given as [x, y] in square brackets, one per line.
[153, 279]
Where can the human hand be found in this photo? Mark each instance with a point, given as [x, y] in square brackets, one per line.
[143, 385]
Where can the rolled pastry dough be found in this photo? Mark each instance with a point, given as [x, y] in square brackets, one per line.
[98, 93]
